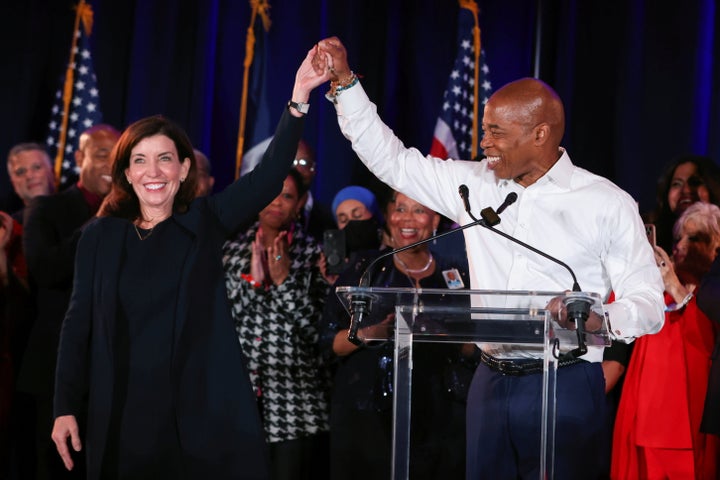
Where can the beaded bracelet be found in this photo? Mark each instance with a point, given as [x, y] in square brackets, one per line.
[338, 86]
[673, 307]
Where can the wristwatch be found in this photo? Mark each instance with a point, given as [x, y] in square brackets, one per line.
[299, 106]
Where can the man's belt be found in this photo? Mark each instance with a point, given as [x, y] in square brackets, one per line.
[520, 367]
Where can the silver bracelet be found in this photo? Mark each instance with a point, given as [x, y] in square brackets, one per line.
[673, 307]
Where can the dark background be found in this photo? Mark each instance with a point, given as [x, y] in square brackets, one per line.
[638, 78]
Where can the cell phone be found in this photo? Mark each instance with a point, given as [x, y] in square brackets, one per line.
[650, 232]
[334, 248]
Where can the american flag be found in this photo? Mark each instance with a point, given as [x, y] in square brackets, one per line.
[453, 136]
[83, 107]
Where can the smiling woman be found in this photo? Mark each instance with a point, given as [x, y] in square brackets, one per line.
[277, 292]
[361, 402]
[148, 347]
[168, 320]
[156, 173]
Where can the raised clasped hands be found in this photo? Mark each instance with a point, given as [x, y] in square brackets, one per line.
[331, 59]
[326, 61]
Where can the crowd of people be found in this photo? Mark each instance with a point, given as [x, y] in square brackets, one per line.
[152, 326]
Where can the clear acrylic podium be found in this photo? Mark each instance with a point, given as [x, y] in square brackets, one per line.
[513, 318]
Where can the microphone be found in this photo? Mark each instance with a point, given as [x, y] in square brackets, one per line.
[361, 303]
[509, 200]
[465, 195]
[578, 309]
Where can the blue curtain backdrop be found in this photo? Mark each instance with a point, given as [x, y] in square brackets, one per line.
[639, 79]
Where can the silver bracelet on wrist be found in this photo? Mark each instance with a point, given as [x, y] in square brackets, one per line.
[673, 307]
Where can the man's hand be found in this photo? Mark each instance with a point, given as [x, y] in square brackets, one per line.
[66, 426]
[558, 311]
[336, 58]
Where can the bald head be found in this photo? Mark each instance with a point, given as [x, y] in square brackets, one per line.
[205, 179]
[93, 157]
[523, 125]
[530, 102]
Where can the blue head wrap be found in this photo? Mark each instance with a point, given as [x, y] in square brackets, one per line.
[355, 192]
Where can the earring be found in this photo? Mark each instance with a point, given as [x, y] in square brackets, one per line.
[182, 179]
[129, 182]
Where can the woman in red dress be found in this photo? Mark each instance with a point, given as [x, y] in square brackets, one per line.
[657, 429]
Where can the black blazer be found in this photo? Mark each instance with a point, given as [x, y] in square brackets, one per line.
[218, 423]
[50, 234]
[708, 299]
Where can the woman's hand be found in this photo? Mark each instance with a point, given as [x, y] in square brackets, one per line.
[672, 283]
[257, 271]
[66, 426]
[308, 77]
[278, 259]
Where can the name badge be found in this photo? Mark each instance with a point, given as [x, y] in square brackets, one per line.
[453, 278]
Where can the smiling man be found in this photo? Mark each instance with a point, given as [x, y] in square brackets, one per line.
[51, 232]
[31, 173]
[561, 209]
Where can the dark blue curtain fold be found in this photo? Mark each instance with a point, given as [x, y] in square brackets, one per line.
[639, 78]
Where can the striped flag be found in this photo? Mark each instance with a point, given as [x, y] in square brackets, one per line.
[457, 131]
[76, 106]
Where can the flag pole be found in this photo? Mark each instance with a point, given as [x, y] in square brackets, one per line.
[260, 7]
[473, 7]
[84, 13]
[538, 39]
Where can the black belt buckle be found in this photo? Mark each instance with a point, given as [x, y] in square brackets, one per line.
[508, 367]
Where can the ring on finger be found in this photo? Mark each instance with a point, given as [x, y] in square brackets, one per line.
[278, 257]
[662, 264]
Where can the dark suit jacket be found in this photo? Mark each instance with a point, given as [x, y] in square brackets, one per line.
[51, 232]
[708, 299]
[217, 419]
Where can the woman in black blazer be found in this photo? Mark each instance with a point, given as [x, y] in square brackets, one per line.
[148, 347]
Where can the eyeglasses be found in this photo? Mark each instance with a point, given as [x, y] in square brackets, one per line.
[301, 162]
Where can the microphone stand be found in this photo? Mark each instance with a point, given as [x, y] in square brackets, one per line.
[578, 308]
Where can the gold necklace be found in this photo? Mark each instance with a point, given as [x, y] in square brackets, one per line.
[411, 270]
[140, 236]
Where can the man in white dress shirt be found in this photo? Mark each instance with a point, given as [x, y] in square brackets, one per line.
[563, 210]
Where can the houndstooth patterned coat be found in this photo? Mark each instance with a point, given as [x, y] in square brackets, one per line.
[277, 329]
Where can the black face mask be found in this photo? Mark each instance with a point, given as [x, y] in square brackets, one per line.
[362, 235]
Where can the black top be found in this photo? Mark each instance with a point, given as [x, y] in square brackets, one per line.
[148, 287]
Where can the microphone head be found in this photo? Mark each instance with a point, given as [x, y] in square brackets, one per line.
[509, 200]
[463, 191]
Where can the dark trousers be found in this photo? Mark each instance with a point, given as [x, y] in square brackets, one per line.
[304, 458]
[503, 424]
